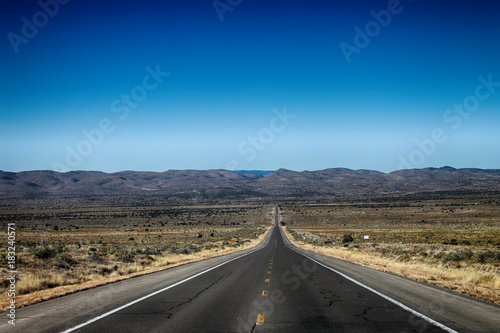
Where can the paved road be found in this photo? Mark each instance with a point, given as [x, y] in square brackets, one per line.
[273, 289]
[301, 296]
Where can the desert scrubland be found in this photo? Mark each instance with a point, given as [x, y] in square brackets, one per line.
[66, 245]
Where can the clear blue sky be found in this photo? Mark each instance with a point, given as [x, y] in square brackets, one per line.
[252, 85]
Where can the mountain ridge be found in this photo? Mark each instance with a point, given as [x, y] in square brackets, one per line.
[218, 183]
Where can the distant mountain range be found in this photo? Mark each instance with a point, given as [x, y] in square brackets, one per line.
[250, 185]
[255, 172]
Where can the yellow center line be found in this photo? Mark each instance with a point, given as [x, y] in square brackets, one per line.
[268, 272]
[260, 319]
[267, 280]
[264, 293]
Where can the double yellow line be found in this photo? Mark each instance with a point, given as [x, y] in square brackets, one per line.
[260, 316]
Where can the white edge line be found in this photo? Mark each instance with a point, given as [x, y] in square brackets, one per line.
[90, 321]
[416, 313]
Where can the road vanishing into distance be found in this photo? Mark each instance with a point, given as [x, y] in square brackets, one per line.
[272, 288]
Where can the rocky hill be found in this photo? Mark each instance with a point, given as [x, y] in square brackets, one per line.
[251, 185]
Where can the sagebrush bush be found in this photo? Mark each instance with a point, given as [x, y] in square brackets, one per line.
[44, 253]
[487, 256]
[347, 238]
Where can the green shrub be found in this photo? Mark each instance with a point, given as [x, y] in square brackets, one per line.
[347, 238]
[44, 253]
[451, 256]
[485, 256]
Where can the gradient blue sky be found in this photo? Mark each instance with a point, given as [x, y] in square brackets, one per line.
[227, 76]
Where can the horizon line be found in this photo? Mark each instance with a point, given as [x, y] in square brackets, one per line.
[248, 171]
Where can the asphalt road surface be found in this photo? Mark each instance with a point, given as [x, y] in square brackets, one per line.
[271, 289]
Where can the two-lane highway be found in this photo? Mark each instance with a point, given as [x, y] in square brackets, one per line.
[274, 289]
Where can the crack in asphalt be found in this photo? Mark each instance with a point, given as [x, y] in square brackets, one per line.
[363, 315]
[330, 296]
[190, 299]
